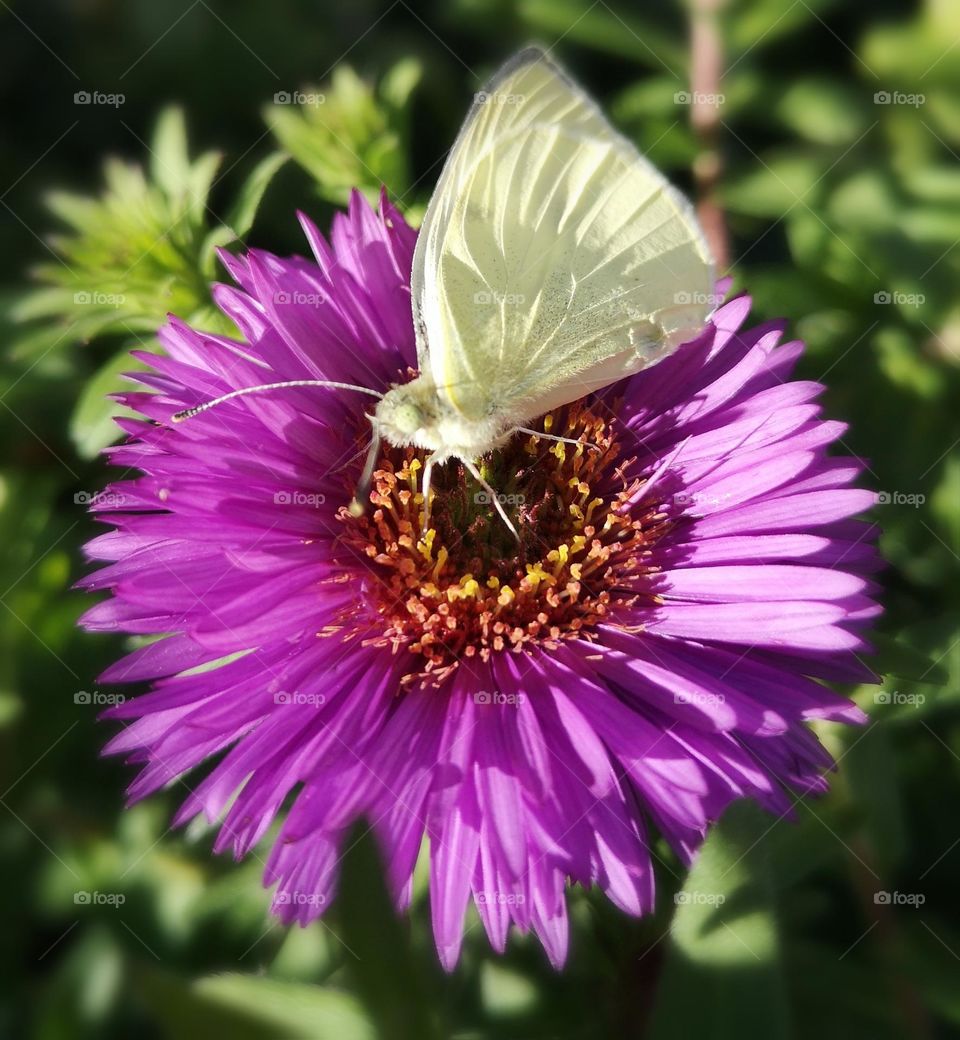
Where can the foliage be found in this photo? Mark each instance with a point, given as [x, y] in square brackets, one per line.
[350, 136]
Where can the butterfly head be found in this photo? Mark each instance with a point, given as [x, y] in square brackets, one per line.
[406, 412]
[407, 418]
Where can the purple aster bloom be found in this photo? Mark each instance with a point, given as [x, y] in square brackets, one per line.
[649, 652]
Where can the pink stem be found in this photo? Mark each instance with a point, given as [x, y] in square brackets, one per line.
[706, 72]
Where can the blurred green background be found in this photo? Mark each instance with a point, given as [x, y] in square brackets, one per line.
[831, 145]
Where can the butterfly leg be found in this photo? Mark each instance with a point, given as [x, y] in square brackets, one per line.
[494, 497]
[428, 465]
[361, 496]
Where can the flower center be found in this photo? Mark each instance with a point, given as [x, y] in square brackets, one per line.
[467, 587]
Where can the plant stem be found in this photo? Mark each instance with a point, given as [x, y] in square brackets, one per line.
[706, 72]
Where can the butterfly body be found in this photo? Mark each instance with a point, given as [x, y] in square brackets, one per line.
[553, 260]
[416, 413]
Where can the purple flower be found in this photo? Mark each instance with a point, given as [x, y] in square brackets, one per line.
[648, 653]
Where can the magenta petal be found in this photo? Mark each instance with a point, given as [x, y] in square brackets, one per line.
[759, 584]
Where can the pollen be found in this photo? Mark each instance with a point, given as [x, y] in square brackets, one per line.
[467, 587]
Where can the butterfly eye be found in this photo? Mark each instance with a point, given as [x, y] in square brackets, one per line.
[408, 418]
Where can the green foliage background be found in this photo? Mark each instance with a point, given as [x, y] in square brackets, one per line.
[845, 217]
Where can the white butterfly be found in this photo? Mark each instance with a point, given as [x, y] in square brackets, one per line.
[553, 260]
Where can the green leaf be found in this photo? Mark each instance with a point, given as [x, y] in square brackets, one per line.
[241, 214]
[722, 976]
[755, 22]
[930, 957]
[867, 200]
[349, 135]
[378, 955]
[822, 111]
[875, 789]
[91, 426]
[779, 182]
[134, 253]
[251, 1007]
[910, 53]
[894, 657]
[170, 161]
[400, 82]
[506, 993]
[200, 180]
[837, 997]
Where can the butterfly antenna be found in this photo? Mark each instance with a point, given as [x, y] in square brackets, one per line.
[189, 413]
[562, 440]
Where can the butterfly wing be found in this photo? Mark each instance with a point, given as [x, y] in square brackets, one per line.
[553, 258]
